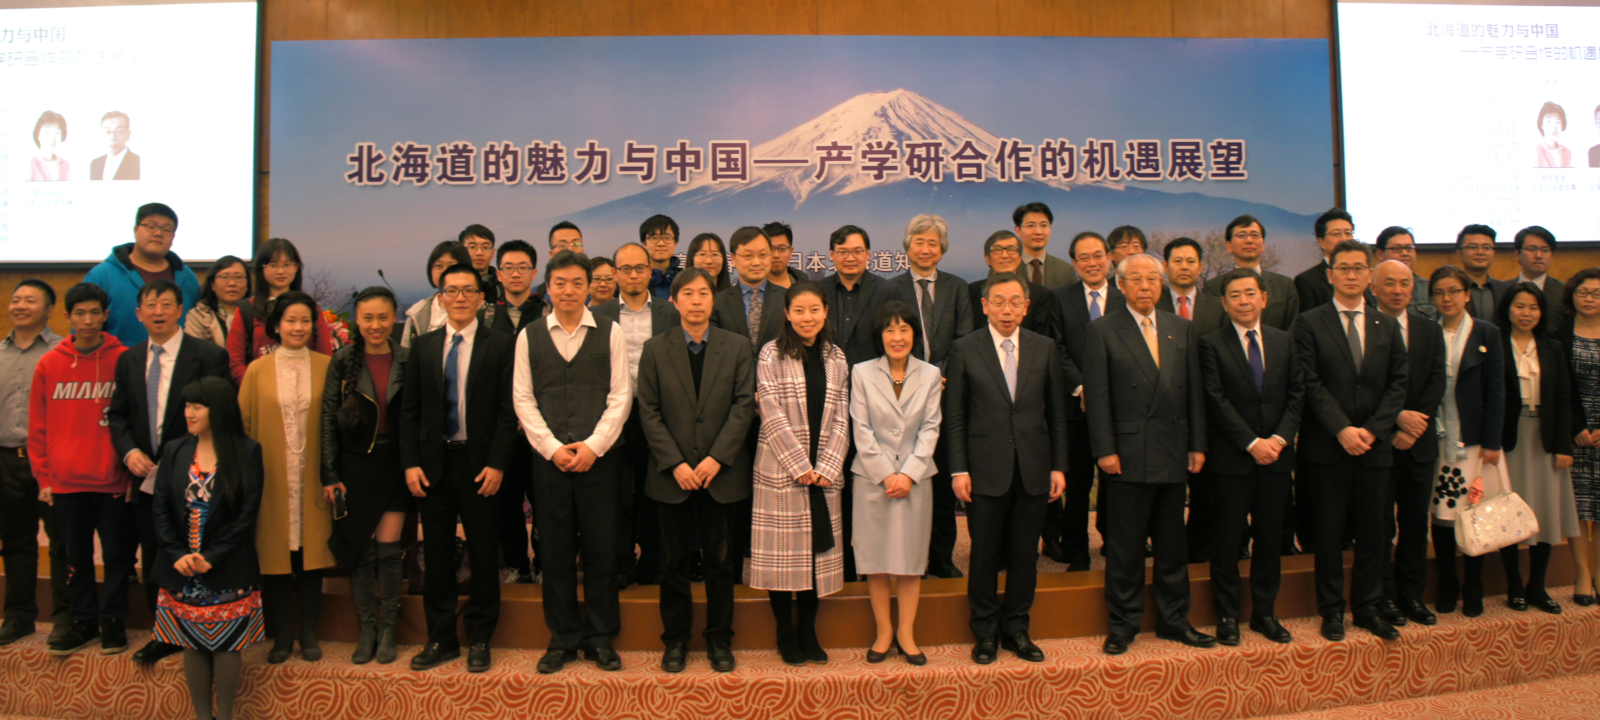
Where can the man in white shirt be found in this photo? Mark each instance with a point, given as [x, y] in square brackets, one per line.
[119, 163]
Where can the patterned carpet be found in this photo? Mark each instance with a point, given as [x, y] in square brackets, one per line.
[1497, 663]
[1572, 698]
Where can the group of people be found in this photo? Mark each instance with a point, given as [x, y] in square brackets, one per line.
[684, 422]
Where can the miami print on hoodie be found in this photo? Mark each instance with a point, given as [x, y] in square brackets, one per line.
[69, 438]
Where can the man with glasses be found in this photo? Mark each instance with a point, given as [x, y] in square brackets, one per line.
[130, 266]
[518, 306]
[1396, 243]
[1475, 253]
[659, 235]
[1536, 247]
[1246, 240]
[640, 316]
[563, 236]
[1002, 252]
[479, 242]
[783, 273]
[1033, 226]
[1332, 227]
[1125, 241]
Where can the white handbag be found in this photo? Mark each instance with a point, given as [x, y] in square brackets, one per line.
[1497, 522]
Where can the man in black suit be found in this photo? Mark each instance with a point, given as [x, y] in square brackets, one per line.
[941, 302]
[1002, 252]
[1332, 227]
[1255, 392]
[1536, 248]
[1005, 406]
[457, 434]
[518, 306]
[124, 163]
[1475, 254]
[1182, 297]
[640, 316]
[1246, 240]
[1410, 486]
[1146, 406]
[697, 399]
[1079, 304]
[147, 410]
[1356, 373]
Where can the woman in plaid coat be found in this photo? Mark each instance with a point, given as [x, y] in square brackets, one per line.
[797, 533]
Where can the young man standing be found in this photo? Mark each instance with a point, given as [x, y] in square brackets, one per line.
[1246, 240]
[782, 274]
[130, 266]
[1032, 223]
[1182, 297]
[659, 235]
[479, 242]
[1536, 248]
[1475, 251]
[1332, 227]
[519, 305]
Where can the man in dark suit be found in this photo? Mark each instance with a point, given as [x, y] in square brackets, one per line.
[1332, 227]
[1005, 406]
[941, 303]
[640, 316]
[147, 411]
[1002, 251]
[1536, 249]
[697, 399]
[1033, 224]
[1246, 240]
[1091, 298]
[1182, 297]
[1475, 254]
[124, 163]
[517, 307]
[1146, 407]
[1356, 374]
[1255, 392]
[1410, 486]
[572, 394]
[457, 434]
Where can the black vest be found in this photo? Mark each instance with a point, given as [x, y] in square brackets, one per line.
[571, 395]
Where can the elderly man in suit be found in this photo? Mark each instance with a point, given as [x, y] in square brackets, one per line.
[1182, 297]
[1146, 406]
[147, 411]
[696, 401]
[940, 300]
[1005, 408]
[1255, 392]
[1033, 223]
[1356, 374]
[640, 316]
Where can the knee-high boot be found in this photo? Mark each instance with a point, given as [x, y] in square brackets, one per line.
[389, 578]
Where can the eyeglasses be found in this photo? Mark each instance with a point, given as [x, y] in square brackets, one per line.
[515, 269]
[1586, 294]
[455, 293]
[778, 249]
[1450, 292]
[1351, 270]
[661, 239]
[1538, 249]
[1097, 257]
[705, 256]
[603, 280]
[161, 229]
[281, 267]
[231, 278]
[1013, 303]
[754, 256]
[480, 247]
[852, 252]
[1248, 236]
[575, 246]
[632, 269]
[1345, 234]
[1036, 226]
[1128, 244]
[1477, 248]
[1402, 249]
[1005, 250]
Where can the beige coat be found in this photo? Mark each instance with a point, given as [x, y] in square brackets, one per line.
[263, 422]
[204, 324]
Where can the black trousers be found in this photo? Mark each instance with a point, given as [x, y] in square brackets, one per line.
[20, 515]
[1068, 518]
[144, 516]
[1247, 506]
[1202, 515]
[1005, 533]
[580, 510]
[451, 497]
[942, 539]
[680, 522]
[1153, 511]
[516, 536]
[1343, 495]
[640, 522]
[1406, 516]
[83, 515]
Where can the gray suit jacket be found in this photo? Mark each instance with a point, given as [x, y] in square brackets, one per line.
[727, 312]
[952, 313]
[1150, 418]
[683, 426]
[1057, 272]
[895, 434]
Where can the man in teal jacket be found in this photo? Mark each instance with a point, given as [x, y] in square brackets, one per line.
[130, 266]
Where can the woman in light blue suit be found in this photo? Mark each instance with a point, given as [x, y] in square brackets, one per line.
[894, 403]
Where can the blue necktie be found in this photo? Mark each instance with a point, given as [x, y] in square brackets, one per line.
[152, 394]
[1094, 305]
[452, 392]
[1257, 367]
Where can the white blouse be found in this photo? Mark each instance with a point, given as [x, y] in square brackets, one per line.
[1527, 372]
[294, 401]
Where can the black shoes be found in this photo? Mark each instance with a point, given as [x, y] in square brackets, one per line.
[1024, 648]
[366, 644]
[1269, 627]
[14, 629]
[82, 634]
[478, 658]
[1472, 602]
[986, 651]
[1228, 632]
[1078, 566]
[720, 652]
[1333, 627]
[1116, 644]
[1546, 604]
[310, 651]
[1373, 621]
[1054, 551]
[789, 648]
[1418, 613]
[154, 651]
[918, 659]
[604, 657]
[945, 570]
[1391, 613]
[1190, 637]
[279, 655]
[874, 657]
[554, 660]
[1581, 600]
[113, 637]
[811, 647]
[675, 658]
[1517, 604]
[433, 655]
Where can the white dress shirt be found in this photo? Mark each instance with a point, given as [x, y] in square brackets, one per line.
[637, 327]
[113, 164]
[1523, 277]
[1361, 320]
[463, 362]
[618, 400]
[1016, 343]
[167, 358]
[1104, 290]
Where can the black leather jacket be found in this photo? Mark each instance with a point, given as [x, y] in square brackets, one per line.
[348, 379]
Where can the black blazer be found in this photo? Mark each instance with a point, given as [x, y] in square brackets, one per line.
[683, 426]
[727, 312]
[129, 414]
[1555, 411]
[496, 316]
[343, 372]
[1481, 387]
[990, 435]
[952, 314]
[229, 542]
[1284, 301]
[1042, 316]
[1425, 379]
[128, 170]
[491, 421]
[663, 316]
[1553, 290]
[1313, 286]
[1150, 418]
[1072, 304]
[1239, 413]
[1339, 395]
[1207, 313]
[854, 335]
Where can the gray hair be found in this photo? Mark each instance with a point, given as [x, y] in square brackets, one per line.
[1124, 267]
[923, 223]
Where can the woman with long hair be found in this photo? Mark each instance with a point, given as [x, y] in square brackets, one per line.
[426, 315]
[222, 298]
[277, 270]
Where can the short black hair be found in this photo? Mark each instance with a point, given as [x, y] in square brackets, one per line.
[1474, 229]
[266, 252]
[375, 292]
[511, 246]
[598, 260]
[87, 292]
[1550, 108]
[890, 312]
[657, 223]
[157, 288]
[462, 269]
[776, 228]
[475, 230]
[1389, 233]
[563, 225]
[1349, 246]
[1072, 248]
[41, 286]
[997, 236]
[49, 117]
[746, 235]
[1023, 211]
[1573, 283]
[159, 209]
[1123, 232]
[1238, 274]
[566, 259]
[1239, 222]
[1321, 225]
[790, 345]
[689, 275]
[1001, 278]
[281, 305]
[455, 250]
[842, 236]
[1536, 231]
[1502, 314]
[1199, 252]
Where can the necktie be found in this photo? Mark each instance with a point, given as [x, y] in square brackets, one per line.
[452, 391]
[927, 312]
[1150, 340]
[1038, 271]
[755, 318]
[1094, 305]
[152, 396]
[1353, 333]
[1257, 367]
[1010, 366]
[1183, 308]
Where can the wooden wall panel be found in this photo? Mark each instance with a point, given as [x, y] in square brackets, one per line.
[1307, 18]
[1128, 18]
[1228, 18]
[909, 17]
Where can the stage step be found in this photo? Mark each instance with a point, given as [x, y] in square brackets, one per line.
[1570, 698]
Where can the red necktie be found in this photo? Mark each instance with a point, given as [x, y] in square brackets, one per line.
[1038, 272]
[1183, 308]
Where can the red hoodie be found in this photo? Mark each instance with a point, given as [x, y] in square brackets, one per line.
[69, 438]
